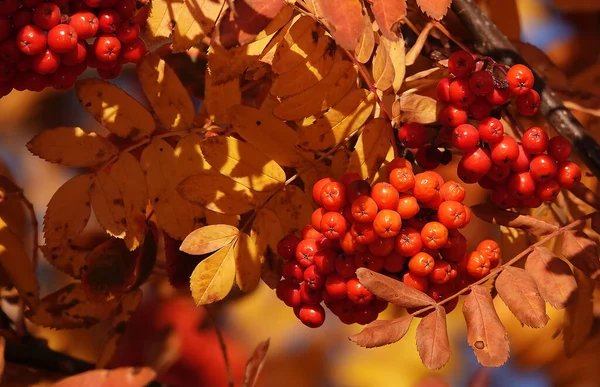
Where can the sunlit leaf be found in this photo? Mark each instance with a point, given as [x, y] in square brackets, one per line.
[247, 264]
[394, 291]
[435, 9]
[219, 97]
[383, 69]
[389, 14]
[108, 204]
[492, 214]
[582, 252]
[371, 148]
[519, 292]
[432, 339]
[553, 277]
[298, 43]
[293, 208]
[344, 18]
[208, 239]
[213, 278]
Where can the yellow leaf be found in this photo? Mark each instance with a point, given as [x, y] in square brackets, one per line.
[415, 108]
[116, 110]
[167, 95]
[313, 172]
[323, 95]
[372, 147]
[218, 98]
[278, 29]
[218, 193]
[270, 135]
[266, 232]
[339, 122]
[72, 147]
[293, 208]
[247, 264]
[69, 307]
[382, 173]
[298, 43]
[397, 53]
[208, 239]
[383, 70]
[108, 204]
[175, 215]
[308, 73]
[243, 163]
[366, 43]
[218, 218]
[129, 304]
[190, 159]
[17, 264]
[213, 278]
[67, 215]
[129, 177]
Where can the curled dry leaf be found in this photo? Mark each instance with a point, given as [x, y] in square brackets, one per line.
[579, 315]
[495, 215]
[432, 339]
[485, 332]
[389, 14]
[435, 9]
[113, 108]
[208, 239]
[415, 50]
[124, 377]
[108, 204]
[392, 290]
[415, 108]
[344, 19]
[213, 278]
[382, 332]
[298, 43]
[553, 277]
[72, 147]
[383, 69]
[582, 252]
[255, 363]
[167, 95]
[371, 148]
[519, 292]
[247, 264]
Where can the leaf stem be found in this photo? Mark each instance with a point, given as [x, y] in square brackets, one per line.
[230, 380]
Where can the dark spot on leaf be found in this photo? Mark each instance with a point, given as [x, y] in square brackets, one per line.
[160, 149]
[315, 35]
[120, 327]
[118, 202]
[156, 200]
[479, 344]
[258, 123]
[88, 104]
[100, 94]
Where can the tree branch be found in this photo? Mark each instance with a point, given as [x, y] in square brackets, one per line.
[493, 43]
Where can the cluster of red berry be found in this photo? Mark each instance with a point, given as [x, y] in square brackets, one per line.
[521, 175]
[51, 43]
[407, 229]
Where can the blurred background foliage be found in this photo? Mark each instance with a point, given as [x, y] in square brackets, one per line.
[170, 333]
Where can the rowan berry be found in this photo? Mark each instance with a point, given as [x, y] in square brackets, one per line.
[107, 48]
[407, 206]
[333, 196]
[76, 55]
[128, 32]
[465, 138]
[559, 148]
[452, 190]
[46, 15]
[461, 63]
[324, 260]
[31, 40]
[357, 293]
[520, 79]
[64, 78]
[110, 73]
[309, 232]
[108, 20]
[333, 225]
[381, 246]
[309, 295]
[490, 250]
[421, 264]
[46, 62]
[365, 315]
[481, 82]
[415, 281]
[535, 140]
[394, 262]
[491, 130]
[357, 188]
[9, 52]
[134, 52]
[369, 260]
[387, 223]
[293, 271]
[442, 273]
[451, 214]
[62, 38]
[434, 235]
[502, 198]
[385, 196]
[457, 252]
[521, 164]
[402, 179]
[442, 90]
[412, 135]
[529, 103]
[305, 252]
[408, 242]
[542, 168]
[428, 157]
[313, 278]
[335, 286]
[521, 185]
[568, 174]
[349, 245]
[85, 23]
[426, 186]
[460, 93]
[363, 233]
[486, 183]
[478, 265]
[313, 316]
[480, 109]
[315, 218]
[288, 292]
[498, 173]
[364, 209]
[505, 151]
[532, 202]
[7, 71]
[452, 116]
[474, 165]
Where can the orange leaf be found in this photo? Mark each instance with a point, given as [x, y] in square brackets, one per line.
[492, 214]
[579, 317]
[255, 363]
[382, 332]
[553, 276]
[344, 19]
[250, 18]
[209, 238]
[432, 339]
[435, 9]
[392, 290]
[519, 292]
[388, 14]
[122, 377]
[582, 252]
[486, 334]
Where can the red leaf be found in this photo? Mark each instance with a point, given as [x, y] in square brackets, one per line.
[389, 14]
[382, 332]
[435, 9]
[249, 18]
[582, 252]
[492, 214]
[519, 292]
[344, 19]
[119, 377]
[392, 290]
[579, 317]
[553, 277]
[432, 339]
[486, 334]
[255, 364]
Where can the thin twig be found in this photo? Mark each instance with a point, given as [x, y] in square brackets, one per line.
[230, 380]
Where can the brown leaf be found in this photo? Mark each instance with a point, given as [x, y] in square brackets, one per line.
[582, 252]
[435, 9]
[383, 70]
[255, 363]
[382, 332]
[579, 317]
[519, 292]
[389, 14]
[432, 339]
[250, 18]
[392, 290]
[123, 377]
[108, 204]
[366, 43]
[415, 108]
[553, 276]
[415, 50]
[344, 19]
[492, 214]
[486, 334]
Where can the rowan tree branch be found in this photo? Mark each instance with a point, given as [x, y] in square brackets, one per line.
[493, 43]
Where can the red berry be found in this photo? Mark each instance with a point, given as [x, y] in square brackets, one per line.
[394, 263]
[312, 316]
[403, 179]
[491, 130]
[110, 72]
[344, 265]
[288, 292]
[108, 20]
[442, 90]
[474, 165]
[286, 248]
[313, 278]
[520, 79]
[452, 214]
[309, 295]
[559, 148]
[8, 7]
[357, 188]
[505, 152]
[76, 55]
[134, 52]
[481, 82]
[461, 63]
[542, 168]
[412, 135]
[535, 140]
[335, 286]
[357, 293]
[547, 190]
[452, 116]
[460, 93]
[64, 78]
[387, 223]
[414, 281]
[293, 271]
[381, 246]
[534, 201]
[522, 162]
[421, 264]
[408, 242]
[480, 109]
[128, 32]
[385, 196]
[498, 96]
[364, 233]
[45, 63]
[568, 174]
[31, 40]
[62, 38]
[490, 250]
[318, 187]
[442, 273]
[465, 138]
[46, 15]
[325, 260]
[503, 198]
[333, 225]
[521, 185]
[126, 8]
[369, 260]
[107, 48]
[529, 103]
[305, 252]
[478, 266]
[85, 24]
[434, 235]
[498, 173]
[428, 157]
